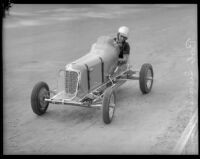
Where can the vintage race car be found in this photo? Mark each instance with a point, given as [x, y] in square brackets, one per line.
[92, 80]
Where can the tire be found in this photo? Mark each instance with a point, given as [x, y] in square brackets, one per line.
[146, 71]
[39, 92]
[108, 111]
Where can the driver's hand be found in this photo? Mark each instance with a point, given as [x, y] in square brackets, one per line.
[121, 61]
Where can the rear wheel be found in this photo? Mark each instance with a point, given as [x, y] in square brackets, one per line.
[109, 103]
[146, 78]
[39, 93]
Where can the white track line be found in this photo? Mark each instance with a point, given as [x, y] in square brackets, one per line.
[185, 135]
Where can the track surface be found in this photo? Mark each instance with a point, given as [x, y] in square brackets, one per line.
[39, 40]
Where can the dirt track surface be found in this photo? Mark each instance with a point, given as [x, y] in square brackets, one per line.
[40, 39]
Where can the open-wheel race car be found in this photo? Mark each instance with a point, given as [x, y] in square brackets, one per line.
[92, 80]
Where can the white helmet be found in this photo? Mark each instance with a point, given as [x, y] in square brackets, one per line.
[124, 31]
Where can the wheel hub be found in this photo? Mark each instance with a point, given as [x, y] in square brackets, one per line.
[111, 106]
[149, 79]
[42, 95]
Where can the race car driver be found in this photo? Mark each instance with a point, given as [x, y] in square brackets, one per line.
[121, 38]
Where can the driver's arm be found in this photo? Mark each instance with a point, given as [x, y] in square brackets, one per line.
[126, 53]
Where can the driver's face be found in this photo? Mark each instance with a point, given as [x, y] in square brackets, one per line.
[121, 38]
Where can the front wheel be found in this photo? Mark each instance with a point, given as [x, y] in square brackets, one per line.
[109, 103]
[39, 93]
[146, 78]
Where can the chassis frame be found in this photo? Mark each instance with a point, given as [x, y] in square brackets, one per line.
[94, 98]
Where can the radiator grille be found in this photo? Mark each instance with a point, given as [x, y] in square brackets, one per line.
[71, 80]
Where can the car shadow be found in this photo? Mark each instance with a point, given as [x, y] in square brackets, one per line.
[71, 114]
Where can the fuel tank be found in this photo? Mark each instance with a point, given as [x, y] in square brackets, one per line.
[90, 71]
